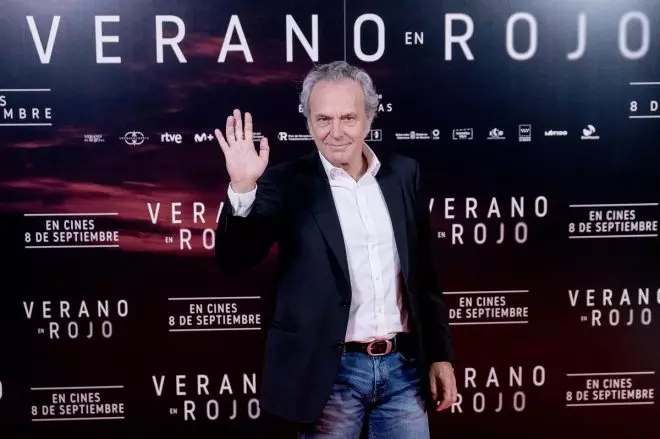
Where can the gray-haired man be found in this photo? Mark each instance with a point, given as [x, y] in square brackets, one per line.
[359, 332]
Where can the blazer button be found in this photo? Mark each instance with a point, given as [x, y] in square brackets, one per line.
[345, 303]
[339, 345]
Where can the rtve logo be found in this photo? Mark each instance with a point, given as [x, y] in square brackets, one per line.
[169, 138]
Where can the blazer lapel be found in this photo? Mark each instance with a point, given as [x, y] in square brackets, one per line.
[390, 185]
[323, 207]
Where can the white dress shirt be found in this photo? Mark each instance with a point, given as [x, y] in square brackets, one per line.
[377, 309]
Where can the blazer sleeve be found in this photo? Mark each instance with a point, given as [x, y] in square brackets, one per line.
[244, 241]
[435, 318]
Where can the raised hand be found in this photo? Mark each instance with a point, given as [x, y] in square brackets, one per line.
[244, 164]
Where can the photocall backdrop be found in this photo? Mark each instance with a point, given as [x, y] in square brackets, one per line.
[536, 124]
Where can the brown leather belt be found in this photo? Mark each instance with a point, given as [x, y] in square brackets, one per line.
[398, 343]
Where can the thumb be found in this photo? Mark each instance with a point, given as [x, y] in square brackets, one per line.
[264, 149]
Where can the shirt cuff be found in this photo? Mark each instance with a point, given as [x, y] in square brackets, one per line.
[241, 203]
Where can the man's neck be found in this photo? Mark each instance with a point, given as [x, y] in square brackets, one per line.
[357, 171]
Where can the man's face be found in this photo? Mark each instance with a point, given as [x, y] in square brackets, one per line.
[338, 121]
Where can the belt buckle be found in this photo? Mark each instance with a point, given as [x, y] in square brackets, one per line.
[371, 344]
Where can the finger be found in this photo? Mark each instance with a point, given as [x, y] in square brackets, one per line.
[447, 398]
[221, 140]
[434, 388]
[264, 150]
[248, 126]
[446, 403]
[239, 125]
[229, 129]
[454, 390]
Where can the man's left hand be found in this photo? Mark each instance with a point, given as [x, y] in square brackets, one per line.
[442, 378]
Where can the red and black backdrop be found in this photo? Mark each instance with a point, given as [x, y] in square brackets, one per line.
[536, 123]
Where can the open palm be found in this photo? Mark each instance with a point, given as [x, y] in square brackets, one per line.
[244, 164]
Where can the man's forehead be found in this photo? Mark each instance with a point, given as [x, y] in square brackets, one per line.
[334, 90]
[336, 104]
[332, 113]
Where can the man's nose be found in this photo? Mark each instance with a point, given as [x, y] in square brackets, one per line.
[336, 129]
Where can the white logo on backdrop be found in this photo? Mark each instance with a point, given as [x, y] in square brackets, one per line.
[588, 133]
[462, 134]
[134, 138]
[496, 134]
[524, 133]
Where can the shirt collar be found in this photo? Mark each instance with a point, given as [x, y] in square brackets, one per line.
[373, 164]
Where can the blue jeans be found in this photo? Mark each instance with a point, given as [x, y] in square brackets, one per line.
[382, 392]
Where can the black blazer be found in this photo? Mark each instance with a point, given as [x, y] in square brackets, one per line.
[294, 207]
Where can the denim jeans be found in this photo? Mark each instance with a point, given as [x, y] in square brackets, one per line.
[382, 392]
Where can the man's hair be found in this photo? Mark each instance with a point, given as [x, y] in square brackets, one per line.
[336, 71]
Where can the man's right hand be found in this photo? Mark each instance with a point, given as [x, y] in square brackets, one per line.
[244, 164]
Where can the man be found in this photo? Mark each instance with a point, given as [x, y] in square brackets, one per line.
[359, 332]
